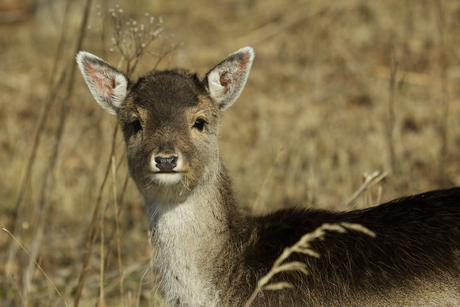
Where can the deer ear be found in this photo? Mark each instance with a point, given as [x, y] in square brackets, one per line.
[226, 80]
[108, 85]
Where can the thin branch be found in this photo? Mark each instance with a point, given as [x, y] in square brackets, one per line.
[92, 232]
[444, 96]
[394, 65]
[255, 206]
[35, 262]
[369, 181]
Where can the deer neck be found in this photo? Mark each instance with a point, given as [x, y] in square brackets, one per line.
[188, 236]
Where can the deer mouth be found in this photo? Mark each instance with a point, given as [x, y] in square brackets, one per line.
[166, 177]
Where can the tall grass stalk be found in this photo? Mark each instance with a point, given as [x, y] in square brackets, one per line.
[302, 246]
[369, 181]
[444, 94]
[54, 86]
[256, 207]
[394, 65]
[92, 231]
[36, 263]
[48, 183]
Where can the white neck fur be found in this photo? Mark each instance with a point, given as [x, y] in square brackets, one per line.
[187, 237]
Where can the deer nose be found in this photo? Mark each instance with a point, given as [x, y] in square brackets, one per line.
[166, 164]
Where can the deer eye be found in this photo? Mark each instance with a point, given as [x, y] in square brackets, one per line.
[199, 124]
[135, 126]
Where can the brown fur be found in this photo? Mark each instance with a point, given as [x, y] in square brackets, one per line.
[210, 254]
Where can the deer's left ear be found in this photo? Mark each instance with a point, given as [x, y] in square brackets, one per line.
[108, 85]
[226, 80]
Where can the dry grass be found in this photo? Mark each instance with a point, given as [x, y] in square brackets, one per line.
[302, 246]
[323, 105]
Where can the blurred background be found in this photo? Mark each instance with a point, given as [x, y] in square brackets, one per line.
[349, 103]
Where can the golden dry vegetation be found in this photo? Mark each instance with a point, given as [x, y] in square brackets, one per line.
[338, 89]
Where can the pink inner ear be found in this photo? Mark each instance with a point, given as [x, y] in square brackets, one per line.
[223, 81]
[103, 84]
[237, 75]
[227, 79]
[244, 63]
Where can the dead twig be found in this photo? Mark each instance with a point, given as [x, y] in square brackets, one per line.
[35, 262]
[369, 180]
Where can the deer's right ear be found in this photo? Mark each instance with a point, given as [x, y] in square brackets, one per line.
[108, 85]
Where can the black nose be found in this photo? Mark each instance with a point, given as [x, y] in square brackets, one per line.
[166, 164]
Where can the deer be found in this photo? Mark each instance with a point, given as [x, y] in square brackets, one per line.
[209, 253]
